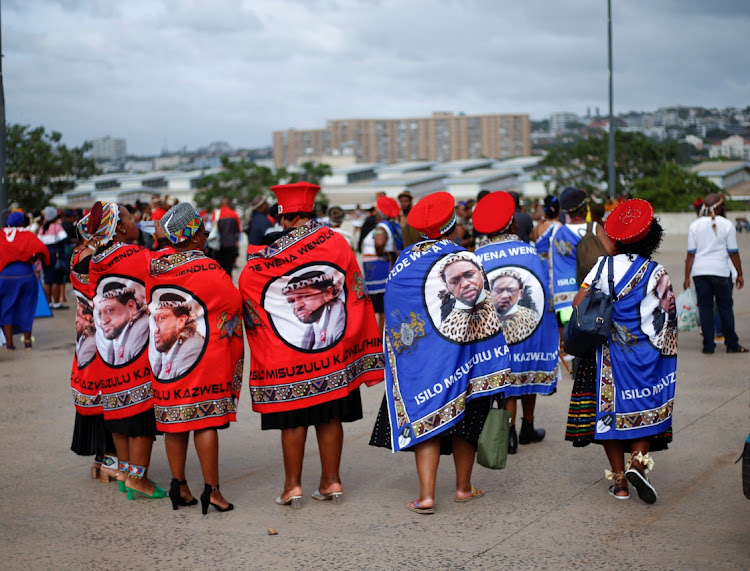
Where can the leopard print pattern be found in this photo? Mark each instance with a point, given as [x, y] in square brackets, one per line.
[520, 325]
[467, 326]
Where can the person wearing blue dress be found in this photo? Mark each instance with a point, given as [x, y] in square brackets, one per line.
[627, 403]
[520, 292]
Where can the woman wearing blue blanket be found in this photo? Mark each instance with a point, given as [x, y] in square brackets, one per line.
[520, 292]
[438, 303]
[623, 395]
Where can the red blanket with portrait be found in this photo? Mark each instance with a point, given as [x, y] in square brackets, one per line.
[196, 350]
[309, 323]
[118, 278]
[83, 380]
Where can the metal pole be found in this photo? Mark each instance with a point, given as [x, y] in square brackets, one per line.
[3, 142]
[611, 152]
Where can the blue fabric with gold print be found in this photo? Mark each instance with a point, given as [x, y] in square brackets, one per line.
[442, 340]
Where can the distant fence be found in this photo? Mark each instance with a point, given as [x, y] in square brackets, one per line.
[678, 222]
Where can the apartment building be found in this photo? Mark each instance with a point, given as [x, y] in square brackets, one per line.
[108, 149]
[442, 137]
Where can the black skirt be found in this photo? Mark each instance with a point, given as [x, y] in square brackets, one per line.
[580, 429]
[90, 438]
[143, 424]
[469, 427]
[345, 409]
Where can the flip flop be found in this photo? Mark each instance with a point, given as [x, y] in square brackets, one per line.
[416, 509]
[335, 497]
[646, 491]
[475, 494]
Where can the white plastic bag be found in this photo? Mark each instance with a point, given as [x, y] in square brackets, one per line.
[214, 238]
[687, 310]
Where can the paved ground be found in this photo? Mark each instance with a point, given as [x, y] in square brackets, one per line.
[548, 509]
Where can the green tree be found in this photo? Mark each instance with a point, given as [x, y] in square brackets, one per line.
[313, 172]
[674, 188]
[40, 166]
[239, 182]
[584, 164]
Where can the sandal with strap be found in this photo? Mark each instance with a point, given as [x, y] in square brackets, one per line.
[738, 349]
[618, 478]
[636, 475]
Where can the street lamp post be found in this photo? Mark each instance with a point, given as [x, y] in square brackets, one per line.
[611, 152]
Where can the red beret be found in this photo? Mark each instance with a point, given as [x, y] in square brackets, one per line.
[297, 197]
[493, 213]
[388, 206]
[630, 221]
[434, 215]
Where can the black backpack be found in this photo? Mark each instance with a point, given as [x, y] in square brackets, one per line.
[588, 251]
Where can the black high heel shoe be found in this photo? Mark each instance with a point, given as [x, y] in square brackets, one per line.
[174, 494]
[206, 499]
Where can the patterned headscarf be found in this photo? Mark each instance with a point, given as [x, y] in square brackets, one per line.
[100, 225]
[181, 222]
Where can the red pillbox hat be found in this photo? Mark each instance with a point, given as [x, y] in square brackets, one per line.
[630, 221]
[296, 197]
[434, 215]
[388, 207]
[493, 213]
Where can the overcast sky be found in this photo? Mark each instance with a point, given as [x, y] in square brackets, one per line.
[188, 72]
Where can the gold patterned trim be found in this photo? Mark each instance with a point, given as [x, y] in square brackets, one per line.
[452, 409]
[288, 240]
[86, 401]
[606, 383]
[127, 398]
[641, 419]
[320, 385]
[189, 412]
[167, 263]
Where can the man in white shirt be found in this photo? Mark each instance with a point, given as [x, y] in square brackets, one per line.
[712, 243]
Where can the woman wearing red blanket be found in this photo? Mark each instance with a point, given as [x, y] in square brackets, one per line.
[195, 351]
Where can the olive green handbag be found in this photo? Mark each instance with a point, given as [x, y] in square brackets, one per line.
[492, 447]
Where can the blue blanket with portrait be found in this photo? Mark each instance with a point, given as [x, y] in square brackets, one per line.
[519, 291]
[563, 267]
[443, 341]
[637, 368]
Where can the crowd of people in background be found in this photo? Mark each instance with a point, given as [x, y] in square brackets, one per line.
[328, 304]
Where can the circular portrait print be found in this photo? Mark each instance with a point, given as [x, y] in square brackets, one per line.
[518, 297]
[307, 307]
[85, 330]
[177, 323]
[659, 313]
[457, 298]
[121, 320]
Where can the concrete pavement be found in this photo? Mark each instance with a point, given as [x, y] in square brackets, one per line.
[548, 509]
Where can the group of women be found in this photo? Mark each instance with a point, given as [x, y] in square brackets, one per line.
[148, 334]
[158, 331]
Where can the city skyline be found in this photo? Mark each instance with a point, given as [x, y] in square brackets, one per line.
[180, 73]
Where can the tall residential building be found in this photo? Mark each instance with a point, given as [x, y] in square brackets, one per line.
[108, 149]
[442, 137]
[558, 122]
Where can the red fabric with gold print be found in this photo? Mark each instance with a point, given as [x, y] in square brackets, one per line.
[83, 382]
[118, 283]
[196, 347]
[309, 323]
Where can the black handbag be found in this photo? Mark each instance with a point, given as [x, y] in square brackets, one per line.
[61, 264]
[591, 323]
